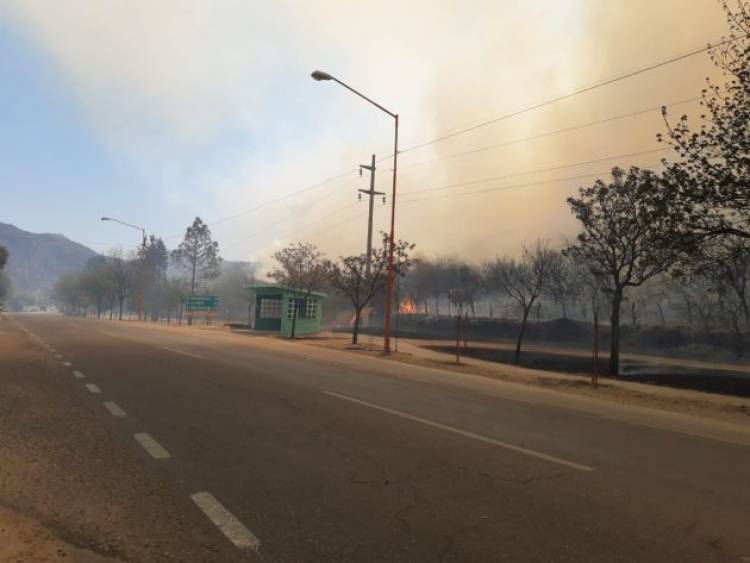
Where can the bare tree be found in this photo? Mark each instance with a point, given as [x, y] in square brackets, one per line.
[563, 287]
[122, 275]
[302, 269]
[726, 264]
[351, 279]
[523, 281]
[465, 283]
[626, 238]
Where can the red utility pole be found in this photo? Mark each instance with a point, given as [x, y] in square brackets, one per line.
[320, 75]
[391, 245]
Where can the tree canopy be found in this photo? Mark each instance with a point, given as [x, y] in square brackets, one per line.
[198, 254]
[709, 183]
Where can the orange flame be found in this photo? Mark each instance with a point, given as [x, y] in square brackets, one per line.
[407, 306]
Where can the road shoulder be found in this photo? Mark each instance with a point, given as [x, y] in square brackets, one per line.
[70, 481]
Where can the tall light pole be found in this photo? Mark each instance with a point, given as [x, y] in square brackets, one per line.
[142, 229]
[143, 273]
[320, 75]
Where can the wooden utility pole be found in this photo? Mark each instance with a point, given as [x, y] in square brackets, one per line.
[371, 193]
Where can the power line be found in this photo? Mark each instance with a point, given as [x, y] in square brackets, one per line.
[538, 171]
[527, 109]
[273, 201]
[525, 184]
[548, 133]
[521, 111]
[264, 231]
[577, 92]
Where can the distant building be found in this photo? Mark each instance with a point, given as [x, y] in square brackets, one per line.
[274, 305]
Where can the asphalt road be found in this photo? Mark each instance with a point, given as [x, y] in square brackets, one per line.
[325, 456]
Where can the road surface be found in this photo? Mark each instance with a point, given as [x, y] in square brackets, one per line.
[289, 453]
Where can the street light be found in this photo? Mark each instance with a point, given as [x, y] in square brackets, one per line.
[143, 273]
[143, 230]
[320, 75]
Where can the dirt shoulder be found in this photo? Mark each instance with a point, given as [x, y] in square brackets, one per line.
[73, 487]
[25, 539]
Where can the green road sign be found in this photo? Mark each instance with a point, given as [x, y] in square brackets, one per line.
[201, 303]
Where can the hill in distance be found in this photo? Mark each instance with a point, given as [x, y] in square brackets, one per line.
[37, 260]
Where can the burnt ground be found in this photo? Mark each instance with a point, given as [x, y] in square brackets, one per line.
[712, 381]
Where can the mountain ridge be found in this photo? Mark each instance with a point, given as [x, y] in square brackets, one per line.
[37, 260]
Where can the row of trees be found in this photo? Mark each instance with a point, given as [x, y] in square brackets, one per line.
[690, 224]
[686, 229]
[360, 278]
[141, 280]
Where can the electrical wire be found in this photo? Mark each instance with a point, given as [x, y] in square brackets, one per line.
[577, 92]
[525, 184]
[548, 133]
[538, 170]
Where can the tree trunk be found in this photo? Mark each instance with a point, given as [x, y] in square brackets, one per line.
[294, 316]
[595, 370]
[745, 307]
[192, 291]
[614, 338]
[738, 344]
[526, 311]
[355, 329]
[564, 307]
[98, 306]
[122, 302]
[661, 314]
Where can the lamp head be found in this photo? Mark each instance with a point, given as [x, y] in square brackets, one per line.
[106, 218]
[320, 75]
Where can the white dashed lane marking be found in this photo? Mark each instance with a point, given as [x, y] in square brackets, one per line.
[465, 433]
[114, 409]
[67, 364]
[78, 374]
[233, 529]
[59, 356]
[93, 388]
[151, 446]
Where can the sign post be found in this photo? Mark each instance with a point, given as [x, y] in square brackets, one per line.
[201, 306]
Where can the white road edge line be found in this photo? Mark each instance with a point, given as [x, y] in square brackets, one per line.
[180, 352]
[114, 409]
[233, 529]
[151, 446]
[78, 374]
[93, 388]
[518, 449]
[165, 348]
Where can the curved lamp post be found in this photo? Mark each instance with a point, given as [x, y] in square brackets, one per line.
[320, 75]
[143, 230]
[141, 316]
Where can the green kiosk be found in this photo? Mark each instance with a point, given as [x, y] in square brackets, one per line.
[274, 308]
